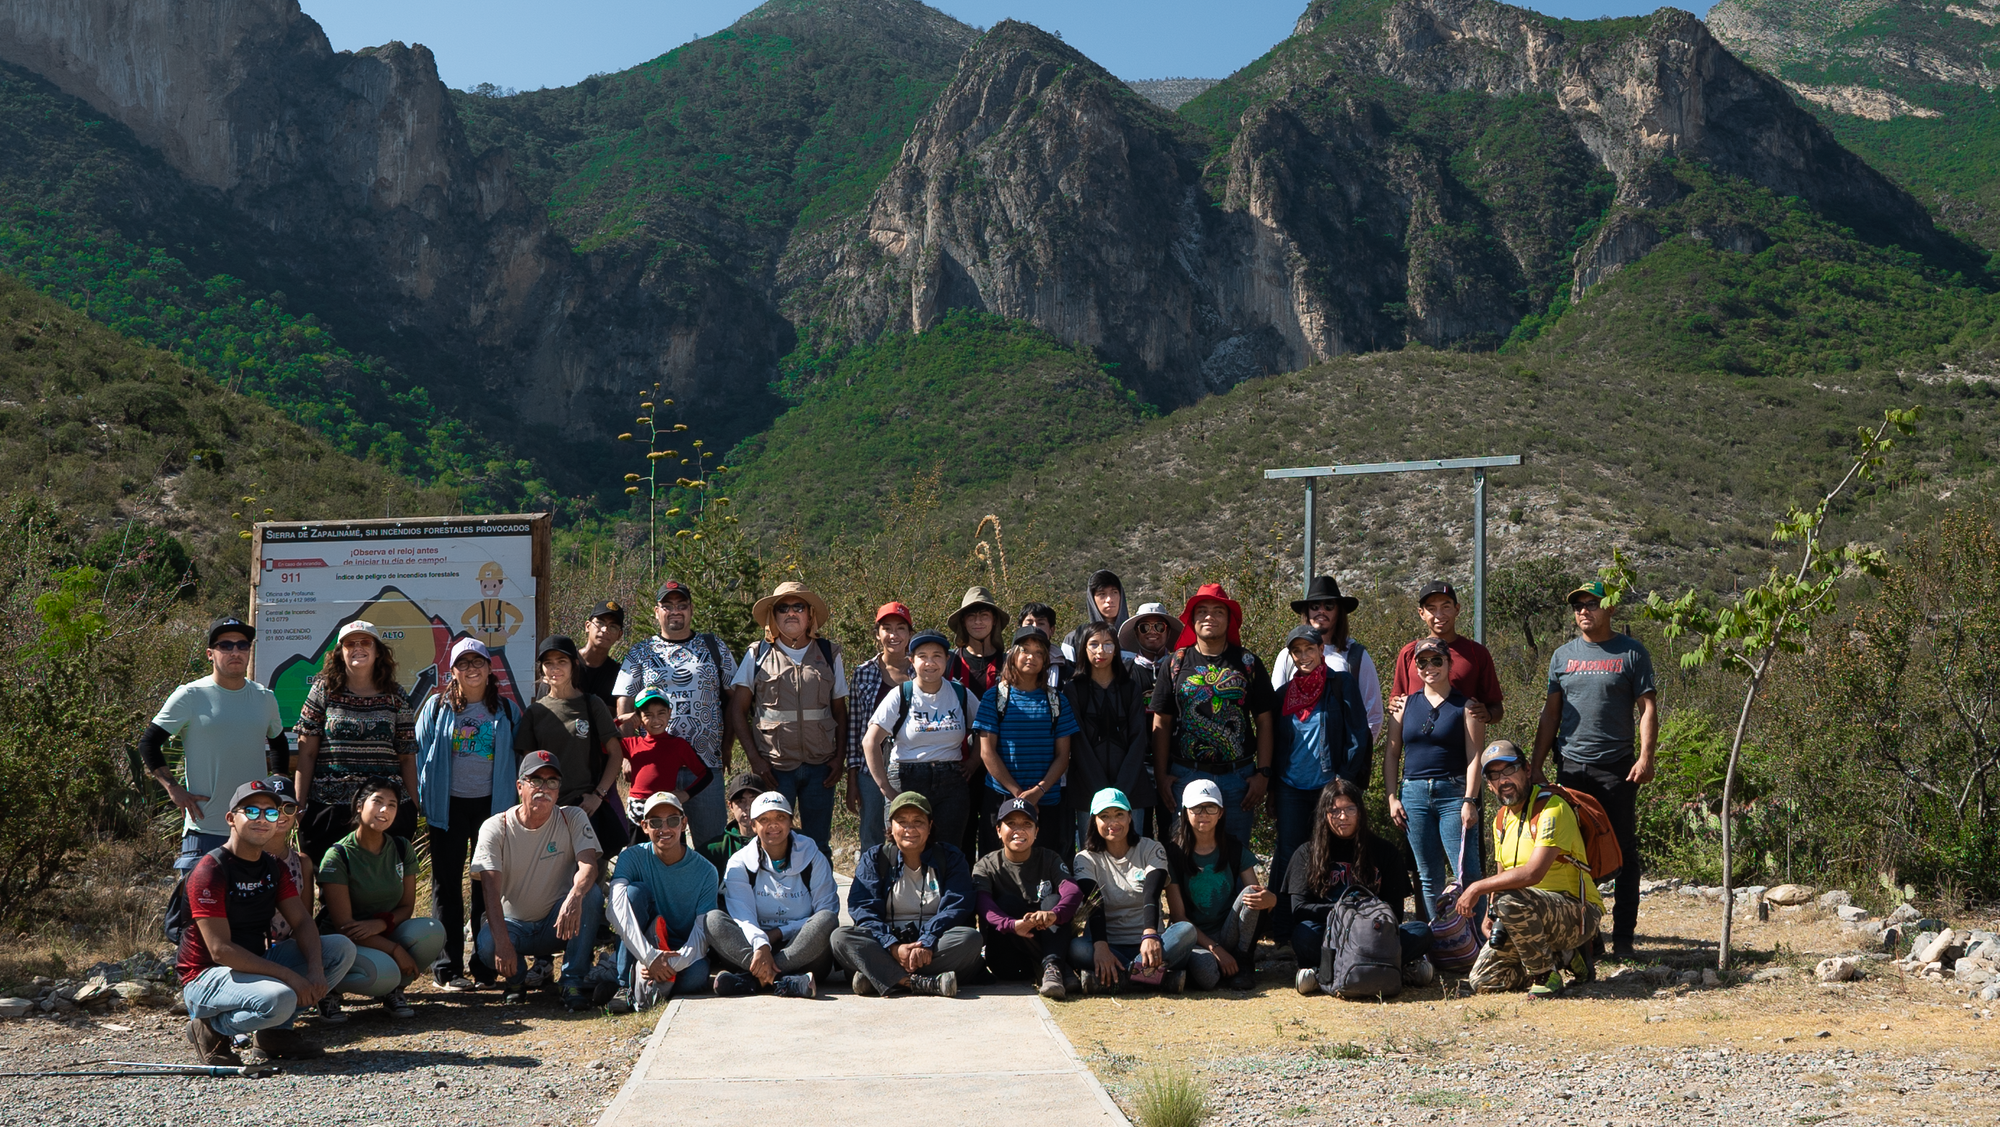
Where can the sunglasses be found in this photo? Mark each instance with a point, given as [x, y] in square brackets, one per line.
[673, 821]
[229, 647]
[791, 608]
[1586, 606]
[1430, 663]
[268, 813]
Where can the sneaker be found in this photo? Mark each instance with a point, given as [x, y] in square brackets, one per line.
[621, 1002]
[1245, 979]
[864, 987]
[733, 984]
[1052, 981]
[285, 1044]
[330, 1011]
[1306, 981]
[459, 984]
[798, 986]
[515, 995]
[210, 1047]
[1580, 966]
[1420, 972]
[1550, 987]
[935, 985]
[1174, 982]
[397, 1004]
[538, 974]
[576, 999]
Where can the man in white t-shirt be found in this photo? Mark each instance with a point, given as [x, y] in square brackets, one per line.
[230, 734]
[537, 867]
[916, 738]
[1325, 609]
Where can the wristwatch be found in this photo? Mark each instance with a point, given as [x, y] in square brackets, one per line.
[1262, 772]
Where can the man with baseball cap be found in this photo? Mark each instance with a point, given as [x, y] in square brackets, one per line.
[739, 795]
[885, 672]
[235, 984]
[230, 733]
[661, 894]
[783, 905]
[537, 868]
[1026, 899]
[911, 901]
[694, 671]
[596, 673]
[1472, 670]
[1545, 906]
[1602, 719]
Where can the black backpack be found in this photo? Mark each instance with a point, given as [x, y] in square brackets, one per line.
[1363, 954]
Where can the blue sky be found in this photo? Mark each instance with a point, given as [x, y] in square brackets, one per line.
[532, 43]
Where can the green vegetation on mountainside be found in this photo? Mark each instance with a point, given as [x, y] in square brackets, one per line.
[96, 221]
[106, 430]
[790, 115]
[976, 396]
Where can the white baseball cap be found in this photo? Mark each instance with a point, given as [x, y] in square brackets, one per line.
[768, 801]
[1200, 791]
[662, 798]
[358, 626]
[472, 646]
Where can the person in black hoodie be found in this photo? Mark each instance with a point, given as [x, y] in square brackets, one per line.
[1103, 601]
[1345, 853]
[1113, 749]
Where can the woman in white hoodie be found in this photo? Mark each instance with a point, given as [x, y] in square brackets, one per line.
[782, 909]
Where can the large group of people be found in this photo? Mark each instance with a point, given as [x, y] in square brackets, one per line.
[1075, 815]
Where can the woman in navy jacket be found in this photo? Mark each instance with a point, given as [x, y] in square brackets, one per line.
[912, 905]
[1322, 735]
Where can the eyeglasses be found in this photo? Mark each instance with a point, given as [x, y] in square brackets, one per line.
[229, 647]
[1586, 606]
[1496, 773]
[670, 822]
[791, 608]
[540, 783]
[1344, 812]
[1430, 663]
[268, 813]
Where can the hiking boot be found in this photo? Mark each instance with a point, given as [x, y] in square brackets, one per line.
[397, 1004]
[1550, 987]
[330, 1011]
[1306, 981]
[935, 985]
[864, 987]
[1580, 966]
[1052, 981]
[621, 1002]
[210, 1047]
[1245, 979]
[1419, 972]
[538, 974]
[798, 986]
[1173, 982]
[733, 984]
[576, 999]
[286, 1044]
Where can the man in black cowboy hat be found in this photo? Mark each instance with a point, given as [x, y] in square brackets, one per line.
[1325, 609]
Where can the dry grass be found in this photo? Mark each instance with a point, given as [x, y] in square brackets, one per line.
[107, 908]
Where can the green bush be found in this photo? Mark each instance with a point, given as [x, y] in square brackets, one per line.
[1172, 1096]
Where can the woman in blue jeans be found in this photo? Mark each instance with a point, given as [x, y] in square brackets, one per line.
[1322, 734]
[1434, 743]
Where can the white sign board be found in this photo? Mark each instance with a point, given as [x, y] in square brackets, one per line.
[424, 584]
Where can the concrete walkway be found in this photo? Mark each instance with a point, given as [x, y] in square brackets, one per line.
[842, 1059]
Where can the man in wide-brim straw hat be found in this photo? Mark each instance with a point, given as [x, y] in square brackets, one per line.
[789, 702]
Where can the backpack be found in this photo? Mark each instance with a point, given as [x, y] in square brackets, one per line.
[1363, 955]
[1602, 855]
[903, 713]
[1006, 693]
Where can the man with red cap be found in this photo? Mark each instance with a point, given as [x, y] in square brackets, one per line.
[1212, 711]
[883, 673]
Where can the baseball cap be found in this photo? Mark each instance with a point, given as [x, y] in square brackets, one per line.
[535, 761]
[1110, 798]
[1593, 588]
[1198, 792]
[1429, 643]
[928, 637]
[472, 646]
[254, 788]
[358, 627]
[740, 783]
[282, 787]
[611, 609]
[769, 801]
[1499, 751]
[911, 800]
[662, 798]
[894, 609]
[1031, 633]
[1303, 633]
[562, 644]
[674, 587]
[227, 624]
[650, 696]
[1016, 806]
[1437, 587]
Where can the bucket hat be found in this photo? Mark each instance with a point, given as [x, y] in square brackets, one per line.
[1128, 634]
[1211, 593]
[976, 598]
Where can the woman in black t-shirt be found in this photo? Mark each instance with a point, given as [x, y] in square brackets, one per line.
[1344, 853]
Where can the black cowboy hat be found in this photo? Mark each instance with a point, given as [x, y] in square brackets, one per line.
[1325, 589]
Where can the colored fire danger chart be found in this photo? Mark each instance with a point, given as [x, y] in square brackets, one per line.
[424, 584]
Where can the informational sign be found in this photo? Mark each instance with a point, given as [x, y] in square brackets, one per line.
[424, 583]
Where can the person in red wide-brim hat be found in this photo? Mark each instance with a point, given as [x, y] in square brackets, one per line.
[1211, 593]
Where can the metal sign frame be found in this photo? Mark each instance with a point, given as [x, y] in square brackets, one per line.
[1478, 466]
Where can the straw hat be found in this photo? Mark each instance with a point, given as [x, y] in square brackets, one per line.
[788, 590]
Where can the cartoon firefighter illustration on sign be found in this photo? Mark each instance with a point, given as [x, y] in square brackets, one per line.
[492, 619]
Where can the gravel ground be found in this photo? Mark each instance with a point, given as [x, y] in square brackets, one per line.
[464, 1059]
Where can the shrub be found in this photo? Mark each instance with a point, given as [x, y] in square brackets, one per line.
[1171, 1096]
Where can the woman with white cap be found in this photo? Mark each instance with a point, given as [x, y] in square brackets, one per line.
[783, 907]
[789, 704]
[661, 894]
[1122, 876]
[356, 723]
[465, 761]
[1212, 883]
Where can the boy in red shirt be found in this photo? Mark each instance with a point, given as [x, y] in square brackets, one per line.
[657, 760]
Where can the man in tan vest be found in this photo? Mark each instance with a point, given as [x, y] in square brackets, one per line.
[789, 704]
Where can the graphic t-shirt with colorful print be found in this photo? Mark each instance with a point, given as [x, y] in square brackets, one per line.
[1212, 701]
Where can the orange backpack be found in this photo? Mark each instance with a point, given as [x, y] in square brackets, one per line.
[1600, 844]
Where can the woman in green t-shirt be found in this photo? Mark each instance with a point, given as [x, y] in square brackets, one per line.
[368, 881]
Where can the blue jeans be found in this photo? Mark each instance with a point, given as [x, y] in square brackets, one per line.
[375, 974]
[1436, 830]
[874, 809]
[812, 800]
[195, 846]
[1309, 939]
[1235, 784]
[234, 1002]
[1176, 942]
[1296, 810]
[693, 979]
[538, 937]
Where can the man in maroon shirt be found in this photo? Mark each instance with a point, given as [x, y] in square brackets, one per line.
[1472, 671]
[235, 983]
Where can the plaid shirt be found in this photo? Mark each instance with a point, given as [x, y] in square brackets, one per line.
[864, 692]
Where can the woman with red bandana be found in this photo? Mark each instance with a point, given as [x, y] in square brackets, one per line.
[1322, 735]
